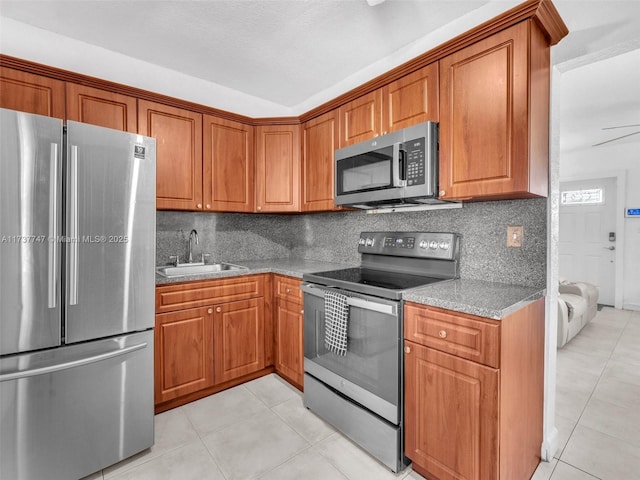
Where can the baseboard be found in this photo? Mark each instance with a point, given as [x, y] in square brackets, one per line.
[549, 446]
[631, 306]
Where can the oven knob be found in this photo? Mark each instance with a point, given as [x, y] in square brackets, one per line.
[444, 245]
[424, 244]
[433, 244]
[369, 242]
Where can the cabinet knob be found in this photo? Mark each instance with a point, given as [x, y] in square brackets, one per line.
[259, 208]
[199, 205]
[288, 290]
[441, 193]
[442, 334]
[218, 309]
[208, 205]
[302, 312]
[407, 349]
[210, 310]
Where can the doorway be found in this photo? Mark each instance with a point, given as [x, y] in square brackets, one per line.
[588, 235]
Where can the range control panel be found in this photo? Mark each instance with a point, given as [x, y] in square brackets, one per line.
[438, 245]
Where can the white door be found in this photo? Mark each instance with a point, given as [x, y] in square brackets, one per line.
[588, 234]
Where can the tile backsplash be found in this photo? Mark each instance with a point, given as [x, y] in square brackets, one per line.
[332, 237]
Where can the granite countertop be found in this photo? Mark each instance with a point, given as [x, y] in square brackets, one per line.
[475, 297]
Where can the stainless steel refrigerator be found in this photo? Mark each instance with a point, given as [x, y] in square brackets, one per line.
[77, 255]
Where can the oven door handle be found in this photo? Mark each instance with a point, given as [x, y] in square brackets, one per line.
[353, 301]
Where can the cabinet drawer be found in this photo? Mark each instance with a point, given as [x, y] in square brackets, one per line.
[287, 288]
[207, 292]
[458, 334]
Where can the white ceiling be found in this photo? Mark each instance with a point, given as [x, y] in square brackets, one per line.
[284, 52]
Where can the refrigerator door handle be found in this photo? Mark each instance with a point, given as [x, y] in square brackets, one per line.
[53, 228]
[73, 227]
[5, 377]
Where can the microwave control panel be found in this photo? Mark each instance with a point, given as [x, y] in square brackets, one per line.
[415, 160]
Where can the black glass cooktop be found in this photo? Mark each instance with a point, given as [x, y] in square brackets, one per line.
[356, 278]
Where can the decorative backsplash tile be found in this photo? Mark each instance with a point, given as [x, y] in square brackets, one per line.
[332, 237]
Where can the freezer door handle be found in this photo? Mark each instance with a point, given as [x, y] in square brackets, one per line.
[5, 377]
[73, 227]
[53, 228]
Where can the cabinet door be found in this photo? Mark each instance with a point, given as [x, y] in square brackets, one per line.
[102, 108]
[178, 135]
[31, 93]
[451, 415]
[238, 332]
[320, 140]
[278, 168]
[183, 353]
[411, 100]
[289, 341]
[361, 119]
[228, 165]
[484, 130]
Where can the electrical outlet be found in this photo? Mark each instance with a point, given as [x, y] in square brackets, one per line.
[514, 236]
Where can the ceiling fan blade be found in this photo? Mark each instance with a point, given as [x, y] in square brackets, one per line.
[617, 138]
[621, 126]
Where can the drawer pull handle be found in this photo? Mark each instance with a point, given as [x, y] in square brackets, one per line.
[407, 349]
[219, 309]
[442, 334]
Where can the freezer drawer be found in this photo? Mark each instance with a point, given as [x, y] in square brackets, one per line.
[71, 411]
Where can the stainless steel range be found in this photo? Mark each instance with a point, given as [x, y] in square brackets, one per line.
[353, 331]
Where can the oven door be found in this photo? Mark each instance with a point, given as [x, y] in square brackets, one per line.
[370, 372]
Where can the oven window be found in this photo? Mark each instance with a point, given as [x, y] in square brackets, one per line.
[370, 171]
[372, 359]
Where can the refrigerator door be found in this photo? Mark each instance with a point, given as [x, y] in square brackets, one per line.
[110, 211]
[30, 222]
[70, 411]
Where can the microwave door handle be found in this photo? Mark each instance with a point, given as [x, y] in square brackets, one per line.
[397, 164]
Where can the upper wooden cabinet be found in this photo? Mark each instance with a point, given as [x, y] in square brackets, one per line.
[228, 165]
[494, 117]
[361, 119]
[278, 168]
[411, 100]
[102, 108]
[407, 101]
[320, 140]
[178, 135]
[31, 93]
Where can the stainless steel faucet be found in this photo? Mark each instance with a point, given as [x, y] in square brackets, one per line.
[193, 234]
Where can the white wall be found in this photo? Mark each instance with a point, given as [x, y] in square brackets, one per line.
[623, 155]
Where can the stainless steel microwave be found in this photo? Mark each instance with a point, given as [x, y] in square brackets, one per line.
[397, 169]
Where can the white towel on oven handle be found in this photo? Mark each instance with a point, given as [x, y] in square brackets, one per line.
[336, 322]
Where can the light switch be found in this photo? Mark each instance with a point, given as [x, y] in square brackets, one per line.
[514, 236]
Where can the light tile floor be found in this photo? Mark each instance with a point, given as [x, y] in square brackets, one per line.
[597, 402]
[261, 429]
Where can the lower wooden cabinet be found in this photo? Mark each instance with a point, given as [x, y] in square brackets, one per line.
[238, 339]
[451, 413]
[289, 328]
[474, 390]
[209, 334]
[289, 341]
[183, 353]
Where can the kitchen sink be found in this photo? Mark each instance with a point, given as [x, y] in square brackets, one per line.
[182, 270]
